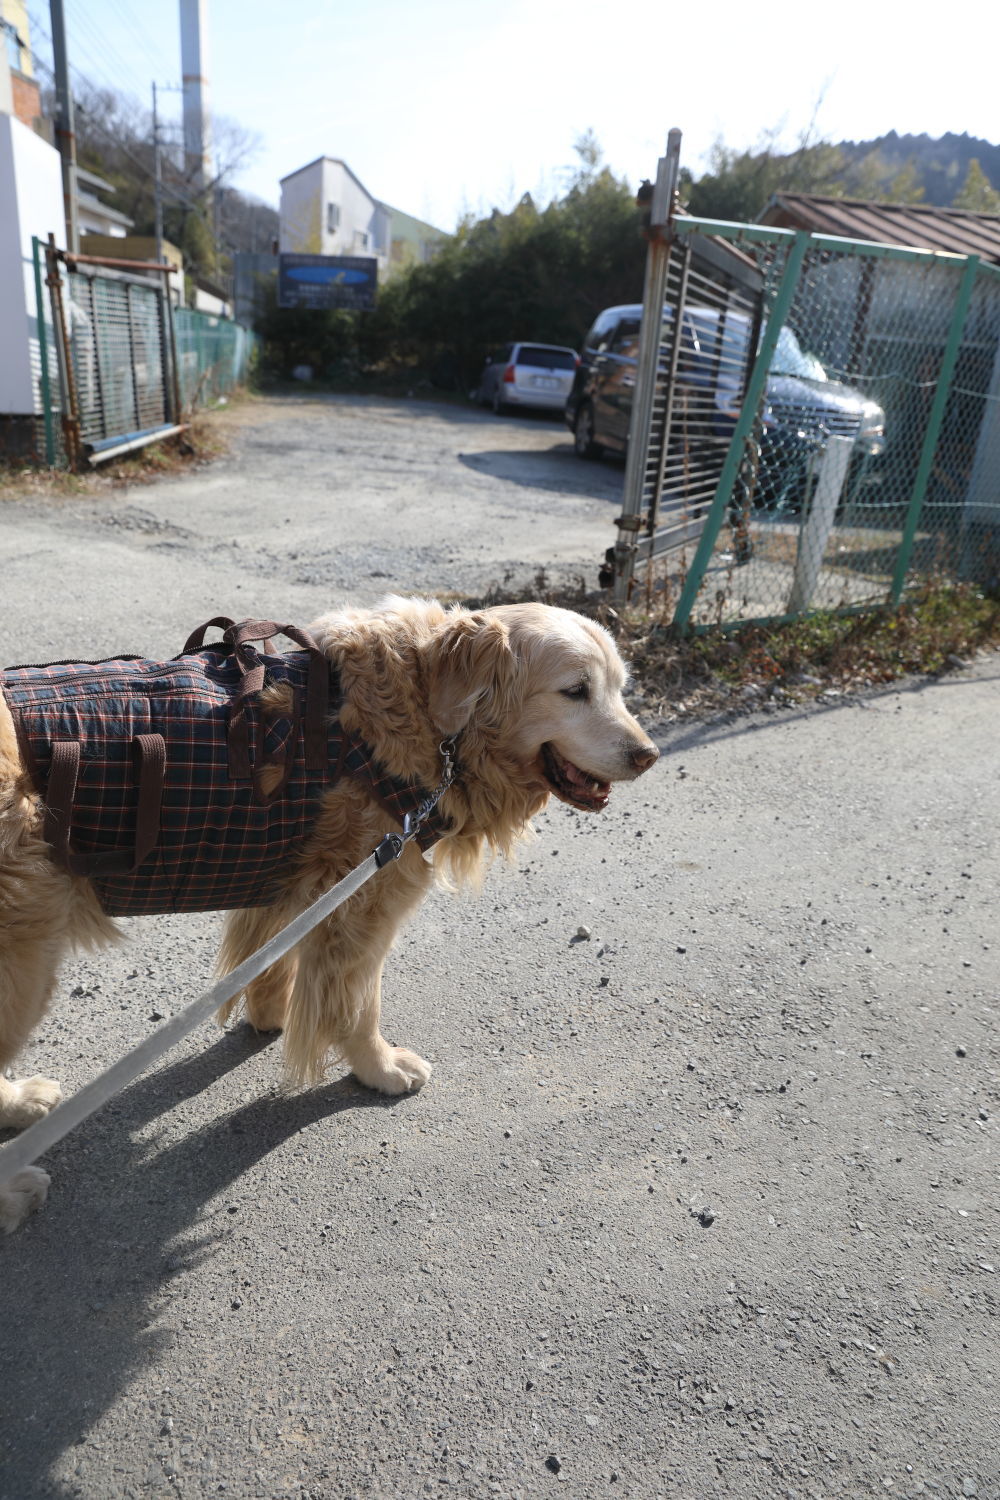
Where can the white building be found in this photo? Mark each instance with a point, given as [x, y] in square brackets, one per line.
[326, 210]
[31, 205]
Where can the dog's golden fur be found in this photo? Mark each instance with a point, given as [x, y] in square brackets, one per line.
[533, 696]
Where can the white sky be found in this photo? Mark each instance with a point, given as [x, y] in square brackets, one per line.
[448, 106]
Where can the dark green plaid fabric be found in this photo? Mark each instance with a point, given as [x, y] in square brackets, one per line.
[222, 844]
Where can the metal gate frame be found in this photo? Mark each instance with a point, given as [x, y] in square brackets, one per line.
[108, 438]
[677, 428]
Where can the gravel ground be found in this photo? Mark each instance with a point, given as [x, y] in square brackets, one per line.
[317, 501]
[702, 1204]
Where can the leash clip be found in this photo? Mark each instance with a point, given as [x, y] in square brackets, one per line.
[390, 848]
[393, 844]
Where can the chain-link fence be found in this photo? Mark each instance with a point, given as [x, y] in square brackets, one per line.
[118, 367]
[214, 355]
[849, 432]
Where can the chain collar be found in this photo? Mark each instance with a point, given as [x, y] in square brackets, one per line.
[393, 844]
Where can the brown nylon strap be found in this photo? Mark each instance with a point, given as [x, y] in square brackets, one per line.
[251, 670]
[64, 770]
[317, 698]
[317, 692]
[196, 639]
[239, 638]
[252, 680]
[152, 755]
[237, 738]
[253, 630]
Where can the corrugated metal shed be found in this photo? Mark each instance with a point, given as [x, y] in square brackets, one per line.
[912, 224]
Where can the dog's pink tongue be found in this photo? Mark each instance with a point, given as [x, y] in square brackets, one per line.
[586, 783]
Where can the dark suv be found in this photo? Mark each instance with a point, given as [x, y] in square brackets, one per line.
[803, 406]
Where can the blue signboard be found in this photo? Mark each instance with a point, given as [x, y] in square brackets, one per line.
[327, 281]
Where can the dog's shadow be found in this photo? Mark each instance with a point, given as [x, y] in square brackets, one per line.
[82, 1284]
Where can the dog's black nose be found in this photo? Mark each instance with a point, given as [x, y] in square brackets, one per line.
[644, 756]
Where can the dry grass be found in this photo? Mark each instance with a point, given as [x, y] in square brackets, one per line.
[205, 439]
[937, 630]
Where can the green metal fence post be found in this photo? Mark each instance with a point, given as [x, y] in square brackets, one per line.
[744, 423]
[934, 421]
[43, 355]
[170, 351]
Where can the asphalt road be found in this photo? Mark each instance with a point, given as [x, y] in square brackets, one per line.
[701, 1205]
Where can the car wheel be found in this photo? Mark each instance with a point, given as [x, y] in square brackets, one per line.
[583, 435]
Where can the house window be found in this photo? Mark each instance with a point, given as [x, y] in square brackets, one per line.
[12, 44]
[360, 240]
[332, 218]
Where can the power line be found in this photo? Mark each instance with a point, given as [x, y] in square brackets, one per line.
[106, 67]
[139, 63]
[101, 55]
[95, 124]
[97, 44]
[96, 66]
[145, 43]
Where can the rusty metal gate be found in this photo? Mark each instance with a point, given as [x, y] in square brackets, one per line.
[709, 327]
[701, 324]
[116, 358]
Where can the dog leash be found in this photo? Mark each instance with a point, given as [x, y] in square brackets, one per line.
[37, 1139]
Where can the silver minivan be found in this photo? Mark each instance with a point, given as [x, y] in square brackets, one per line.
[538, 375]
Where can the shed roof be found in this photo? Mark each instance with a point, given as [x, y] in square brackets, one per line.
[102, 210]
[91, 179]
[917, 225]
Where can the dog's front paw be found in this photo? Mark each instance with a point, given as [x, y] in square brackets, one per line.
[392, 1070]
[19, 1197]
[25, 1100]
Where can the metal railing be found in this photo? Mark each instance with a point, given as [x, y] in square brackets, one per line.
[850, 441]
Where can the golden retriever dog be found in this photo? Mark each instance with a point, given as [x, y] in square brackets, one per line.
[531, 695]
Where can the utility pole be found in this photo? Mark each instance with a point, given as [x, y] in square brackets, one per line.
[217, 217]
[65, 135]
[157, 182]
[158, 166]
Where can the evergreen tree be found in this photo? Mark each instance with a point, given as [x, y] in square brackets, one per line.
[877, 178]
[977, 192]
[904, 186]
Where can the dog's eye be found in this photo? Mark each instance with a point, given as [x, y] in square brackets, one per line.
[581, 692]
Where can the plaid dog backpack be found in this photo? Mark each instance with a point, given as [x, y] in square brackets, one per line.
[152, 773]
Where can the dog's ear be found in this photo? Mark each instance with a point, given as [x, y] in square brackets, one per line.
[472, 672]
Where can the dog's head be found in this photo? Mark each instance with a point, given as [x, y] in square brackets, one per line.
[542, 688]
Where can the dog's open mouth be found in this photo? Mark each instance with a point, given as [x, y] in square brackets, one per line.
[571, 784]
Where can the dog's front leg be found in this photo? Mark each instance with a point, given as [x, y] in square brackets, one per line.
[391, 1070]
[337, 998]
[336, 1010]
[28, 965]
